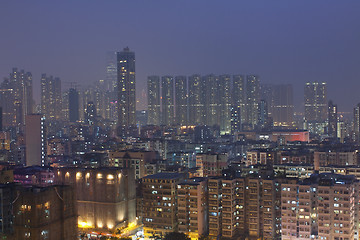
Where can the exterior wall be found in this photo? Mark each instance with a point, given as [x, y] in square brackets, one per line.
[106, 196]
[160, 204]
[46, 213]
[192, 208]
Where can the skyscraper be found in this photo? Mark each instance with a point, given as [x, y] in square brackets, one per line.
[167, 102]
[252, 100]
[238, 101]
[50, 97]
[356, 135]
[332, 119]
[1, 117]
[316, 107]
[153, 86]
[181, 97]
[212, 100]
[7, 102]
[126, 89]
[225, 103]
[21, 84]
[73, 105]
[263, 114]
[90, 113]
[282, 108]
[35, 140]
[196, 100]
[111, 70]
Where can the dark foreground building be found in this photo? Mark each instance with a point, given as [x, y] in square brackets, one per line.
[39, 212]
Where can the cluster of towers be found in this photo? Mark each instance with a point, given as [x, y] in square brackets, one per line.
[225, 101]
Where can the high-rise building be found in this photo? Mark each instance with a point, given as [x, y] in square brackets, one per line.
[193, 207]
[111, 71]
[252, 100]
[126, 89]
[160, 205]
[196, 100]
[153, 85]
[225, 103]
[45, 213]
[90, 113]
[73, 105]
[356, 134]
[323, 206]
[167, 100]
[332, 119]
[35, 140]
[235, 119]
[21, 84]
[181, 98]
[316, 107]
[50, 97]
[282, 107]
[263, 114]
[212, 100]
[238, 101]
[7, 102]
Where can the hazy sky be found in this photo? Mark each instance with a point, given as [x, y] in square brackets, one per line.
[282, 41]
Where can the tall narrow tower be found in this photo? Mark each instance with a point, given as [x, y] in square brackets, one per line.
[126, 89]
[252, 99]
[50, 97]
[167, 90]
[332, 119]
[35, 140]
[153, 85]
[316, 107]
[181, 97]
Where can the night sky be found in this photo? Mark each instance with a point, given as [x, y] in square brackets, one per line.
[281, 41]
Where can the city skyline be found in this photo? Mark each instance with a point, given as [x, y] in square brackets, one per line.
[285, 43]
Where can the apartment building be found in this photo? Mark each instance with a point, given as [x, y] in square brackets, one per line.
[193, 207]
[324, 206]
[160, 205]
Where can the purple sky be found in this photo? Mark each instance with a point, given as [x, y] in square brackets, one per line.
[282, 41]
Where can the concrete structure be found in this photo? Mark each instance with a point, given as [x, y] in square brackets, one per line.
[73, 106]
[126, 89]
[239, 100]
[106, 197]
[260, 156]
[337, 157]
[153, 94]
[35, 176]
[136, 160]
[193, 207]
[50, 97]
[196, 100]
[209, 164]
[323, 206]
[252, 100]
[45, 213]
[282, 106]
[293, 170]
[181, 101]
[35, 139]
[160, 204]
[315, 107]
[167, 101]
[332, 120]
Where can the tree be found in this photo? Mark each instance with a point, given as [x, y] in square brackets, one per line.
[176, 236]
